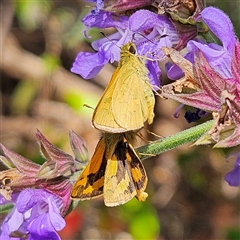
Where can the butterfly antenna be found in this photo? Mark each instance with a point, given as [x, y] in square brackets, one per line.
[145, 38]
[110, 39]
[153, 54]
[88, 106]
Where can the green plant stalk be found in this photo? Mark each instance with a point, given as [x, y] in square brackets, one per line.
[4, 209]
[173, 141]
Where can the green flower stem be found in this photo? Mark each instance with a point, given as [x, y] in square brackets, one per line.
[173, 141]
[5, 208]
[209, 37]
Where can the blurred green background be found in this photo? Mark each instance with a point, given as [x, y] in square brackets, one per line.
[188, 197]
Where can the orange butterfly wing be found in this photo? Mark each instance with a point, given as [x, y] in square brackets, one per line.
[138, 173]
[90, 183]
[125, 175]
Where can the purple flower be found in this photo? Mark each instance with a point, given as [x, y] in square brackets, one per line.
[99, 6]
[36, 215]
[218, 56]
[157, 30]
[233, 177]
[38, 212]
[209, 91]
[213, 79]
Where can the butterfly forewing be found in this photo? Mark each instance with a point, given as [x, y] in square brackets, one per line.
[90, 182]
[103, 118]
[128, 101]
[148, 101]
[135, 99]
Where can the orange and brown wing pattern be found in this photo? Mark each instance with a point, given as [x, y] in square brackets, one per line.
[138, 173]
[90, 183]
[115, 171]
[119, 187]
[125, 175]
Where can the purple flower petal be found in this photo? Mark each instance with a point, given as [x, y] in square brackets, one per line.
[45, 225]
[30, 197]
[15, 220]
[233, 177]
[221, 25]
[41, 228]
[37, 214]
[88, 65]
[154, 74]
[105, 20]
[144, 19]
[56, 219]
[218, 57]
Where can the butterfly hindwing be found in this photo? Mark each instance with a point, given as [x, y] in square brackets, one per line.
[125, 175]
[137, 169]
[118, 184]
[115, 171]
[119, 187]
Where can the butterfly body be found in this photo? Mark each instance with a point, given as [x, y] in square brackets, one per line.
[115, 171]
[128, 101]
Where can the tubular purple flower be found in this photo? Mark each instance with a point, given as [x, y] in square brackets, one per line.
[36, 214]
[105, 20]
[158, 32]
[210, 92]
[219, 57]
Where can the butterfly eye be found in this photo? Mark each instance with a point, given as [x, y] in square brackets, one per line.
[132, 50]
